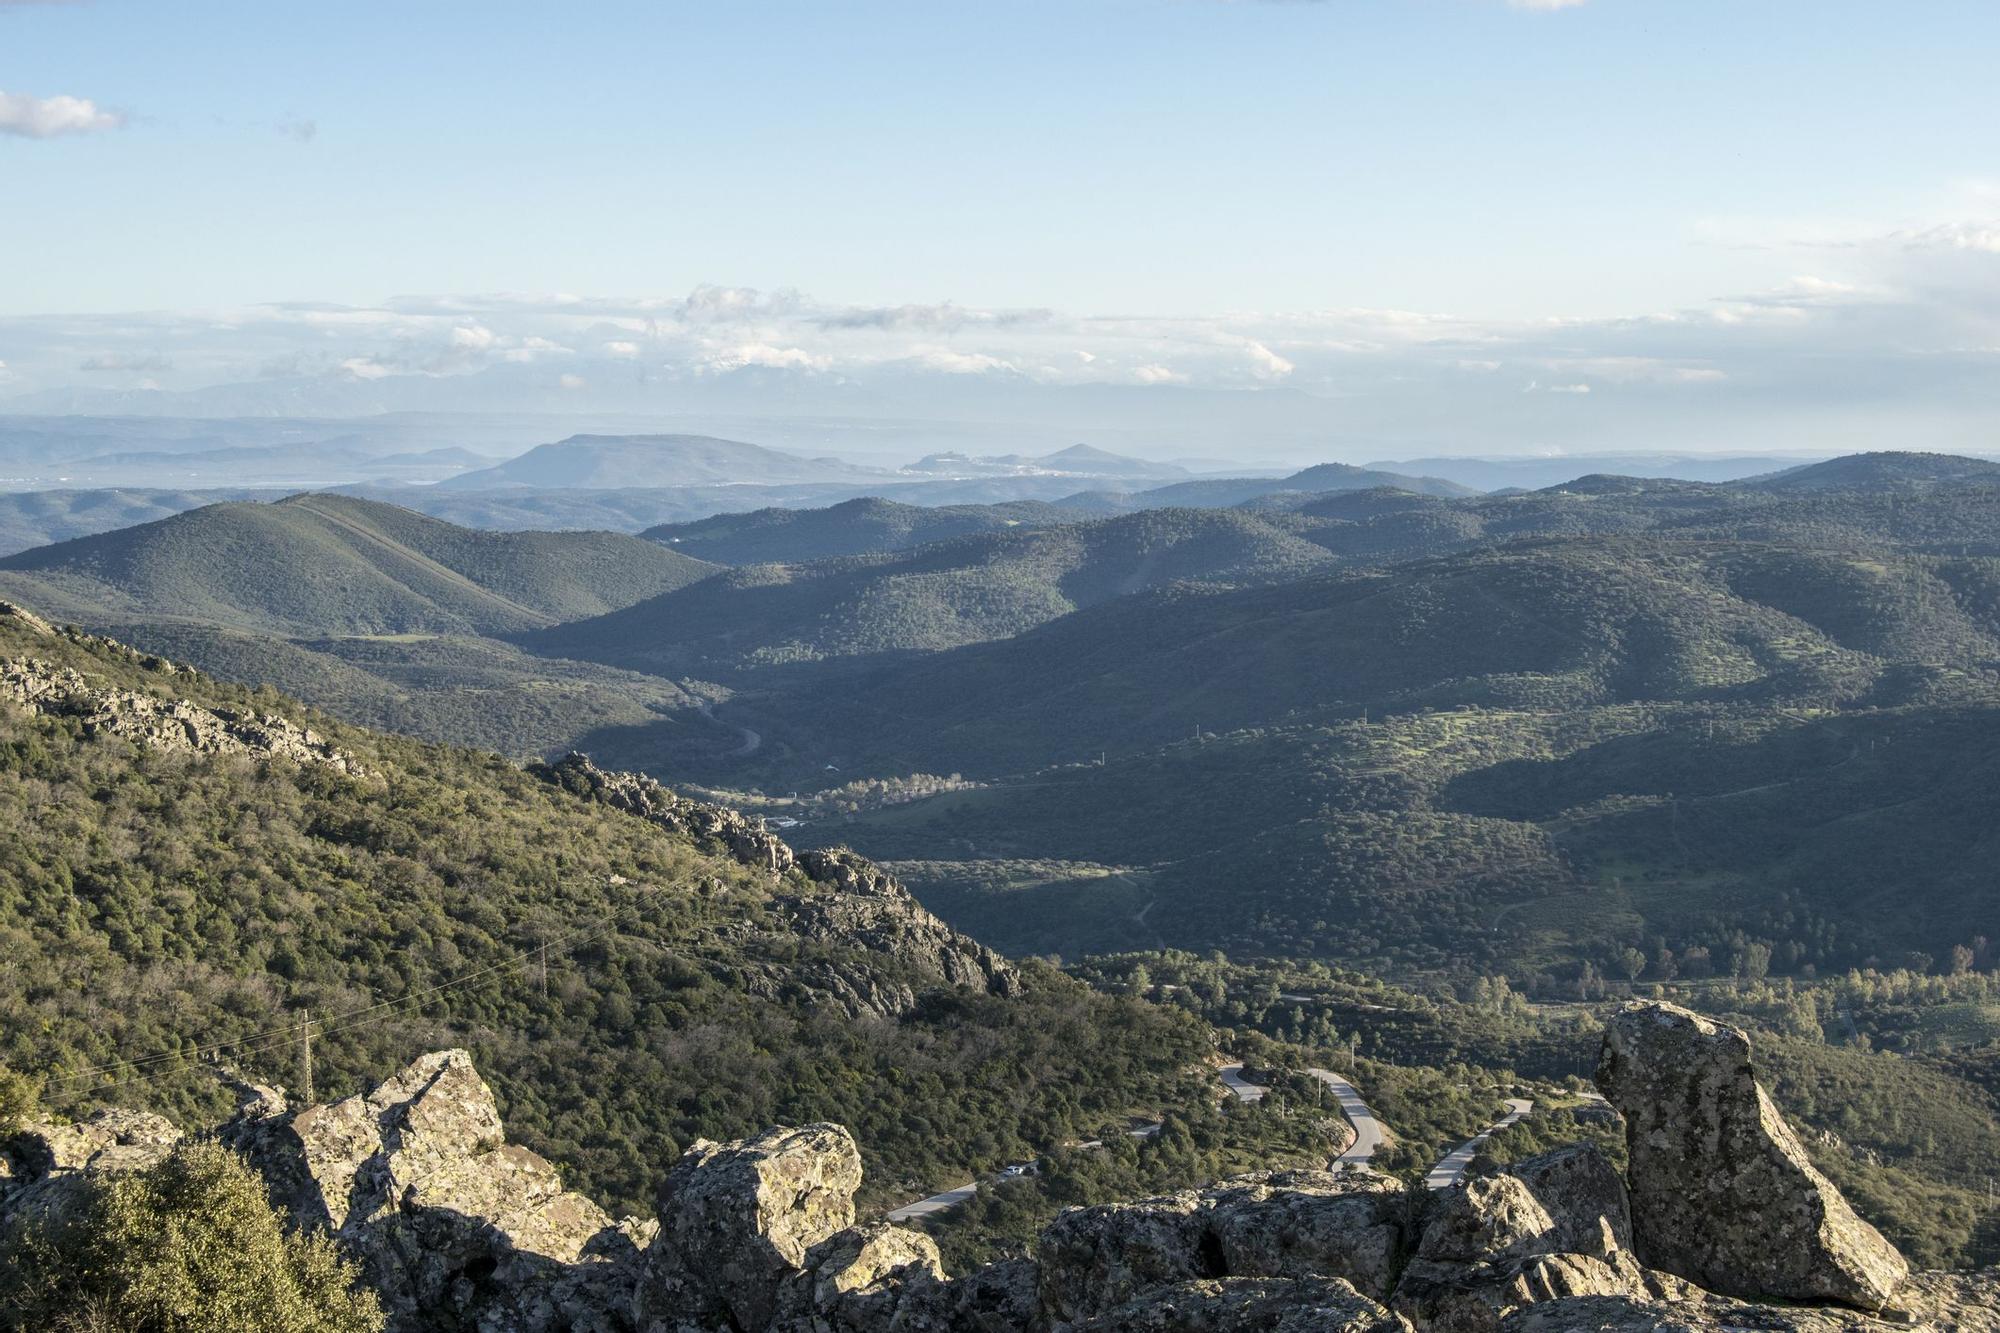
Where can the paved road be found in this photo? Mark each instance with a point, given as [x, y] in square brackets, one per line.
[1451, 1170]
[1367, 1137]
[1367, 1129]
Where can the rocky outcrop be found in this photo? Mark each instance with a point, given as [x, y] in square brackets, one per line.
[737, 1221]
[714, 828]
[1722, 1191]
[174, 725]
[461, 1232]
[1550, 1228]
[454, 1227]
[846, 899]
[1291, 1225]
[1250, 1305]
[43, 1163]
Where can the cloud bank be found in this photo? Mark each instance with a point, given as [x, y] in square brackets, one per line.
[1889, 340]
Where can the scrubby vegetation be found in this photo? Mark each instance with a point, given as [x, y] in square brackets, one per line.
[190, 1244]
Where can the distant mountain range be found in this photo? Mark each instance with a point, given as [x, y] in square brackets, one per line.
[1079, 460]
[586, 462]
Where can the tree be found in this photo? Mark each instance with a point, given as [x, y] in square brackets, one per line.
[190, 1245]
[1632, 962]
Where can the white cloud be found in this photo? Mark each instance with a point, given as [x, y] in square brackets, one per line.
[1266, 364]
[366, 368]
[47, 117]
[574, 382]
[960, 363]
[762, 354]
[1158, 374]
[1544, 5]
[473, 337]
[622, 349]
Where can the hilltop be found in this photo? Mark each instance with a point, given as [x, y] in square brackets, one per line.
[988, 586]
[584, 462]
[866, 526]
[1883, 471]
[334, 565]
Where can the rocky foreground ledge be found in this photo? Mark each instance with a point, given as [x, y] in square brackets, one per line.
[1722, 1224]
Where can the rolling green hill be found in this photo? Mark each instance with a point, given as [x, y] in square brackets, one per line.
[333, 565]
[939, 596]
[868, 526]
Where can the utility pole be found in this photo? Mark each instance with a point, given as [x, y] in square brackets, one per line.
[306, 1057]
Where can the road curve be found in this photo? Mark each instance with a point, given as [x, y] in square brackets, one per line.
[1367, 1137]
[1451, 1170]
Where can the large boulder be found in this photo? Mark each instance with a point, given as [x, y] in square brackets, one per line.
[454, 1227]
[1288, 1225]
[867, 1279]
[1722, 1192]
[737, 1221]
[1552, 1227]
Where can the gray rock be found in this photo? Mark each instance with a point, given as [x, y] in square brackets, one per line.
[174, 725]
[1722, 1192]
[454, 1227]
[737, 1221]
[867, 1279]
[1291, 1225]
[45, 1163]
[1249, 1305]
[1549, 1228]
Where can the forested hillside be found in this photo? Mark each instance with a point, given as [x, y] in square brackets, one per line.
[626, 987]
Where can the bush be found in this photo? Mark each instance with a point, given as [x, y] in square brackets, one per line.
[190, 1245]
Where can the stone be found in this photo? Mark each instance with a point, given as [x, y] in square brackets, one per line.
[1287, 1225]
[1548, 1228]
[1249, 1305]
[45, 1163]
[866, 1279]
[453, 1226]
[737, 1221]
[1722, 1191]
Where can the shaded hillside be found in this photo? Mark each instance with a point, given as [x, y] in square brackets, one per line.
[628, 983]
[939, 596]
[325, 564]
[602, 461]
[1552, 626]
[867, 526]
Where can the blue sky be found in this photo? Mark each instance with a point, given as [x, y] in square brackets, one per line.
[1290, 172]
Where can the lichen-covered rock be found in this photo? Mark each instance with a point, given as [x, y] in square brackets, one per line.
[737, 1221]
[1551, 1227]
[1294, 1224]
[42, 1164]
[1249, 1305]
[1935, 1302]
[1722, 1192]
[867, 1279]
[454, 1227]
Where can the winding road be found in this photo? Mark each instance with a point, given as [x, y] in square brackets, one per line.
[1451, 1170]
[1367, 1138]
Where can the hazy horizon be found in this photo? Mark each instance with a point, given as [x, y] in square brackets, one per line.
[1273, 230]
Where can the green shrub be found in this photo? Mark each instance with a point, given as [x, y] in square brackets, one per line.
[190, 1245]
